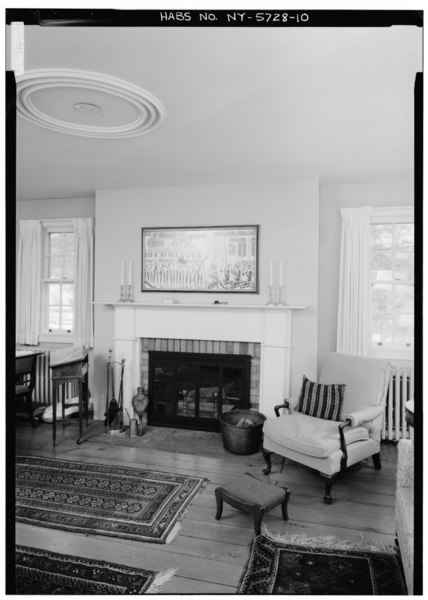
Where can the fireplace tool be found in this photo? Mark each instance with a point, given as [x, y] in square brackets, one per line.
[114, 408]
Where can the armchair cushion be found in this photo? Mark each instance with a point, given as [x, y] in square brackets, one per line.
[320, 400]
[310, 435]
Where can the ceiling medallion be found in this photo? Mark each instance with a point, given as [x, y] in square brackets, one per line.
[86, 104]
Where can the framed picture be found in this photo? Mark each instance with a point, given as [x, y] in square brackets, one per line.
[200, 259]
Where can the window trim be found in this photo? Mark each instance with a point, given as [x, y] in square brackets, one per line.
[392, 214]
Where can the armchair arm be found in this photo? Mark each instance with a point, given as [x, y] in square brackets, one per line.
[346, 423]
[363, 416]
[286, 405]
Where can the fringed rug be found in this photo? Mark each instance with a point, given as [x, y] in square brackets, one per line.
[96, 499]
[276, 566]
[43, 572]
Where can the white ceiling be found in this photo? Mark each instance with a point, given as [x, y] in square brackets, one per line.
[241, 104]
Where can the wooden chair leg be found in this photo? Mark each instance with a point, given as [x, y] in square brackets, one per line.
[376, 461]
[258, 516]
[266, 456]
[219, 501]
[284, 505]
[327, 496]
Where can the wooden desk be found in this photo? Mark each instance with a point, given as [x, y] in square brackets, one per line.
[62, 374]
[25, 379]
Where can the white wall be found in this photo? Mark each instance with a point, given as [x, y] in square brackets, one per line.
[64, 208]
[288, 217]
[332, 199]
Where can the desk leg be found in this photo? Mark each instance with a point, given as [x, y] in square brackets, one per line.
[79, 441]
[54, 413]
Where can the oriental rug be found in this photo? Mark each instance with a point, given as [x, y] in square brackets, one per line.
[99, 499]
[277, 567]
[43, 572]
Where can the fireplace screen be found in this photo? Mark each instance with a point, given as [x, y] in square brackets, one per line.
[191, 390]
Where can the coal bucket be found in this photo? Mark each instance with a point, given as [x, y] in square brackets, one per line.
[239, 437]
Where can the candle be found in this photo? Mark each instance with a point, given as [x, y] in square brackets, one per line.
[122, 273]
[130, 273]
[270, 273]
[281, 268]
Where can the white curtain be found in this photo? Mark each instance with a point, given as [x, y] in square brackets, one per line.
[83, 281]
[354, 314]
[28, 282]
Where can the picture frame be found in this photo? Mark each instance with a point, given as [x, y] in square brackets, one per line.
[200, 259]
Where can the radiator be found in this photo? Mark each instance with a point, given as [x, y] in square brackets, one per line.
[42, 393]
[401, 389]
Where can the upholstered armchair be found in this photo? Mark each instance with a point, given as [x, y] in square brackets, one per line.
[336, 422]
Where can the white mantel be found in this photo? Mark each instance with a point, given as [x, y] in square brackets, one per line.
[268, 325]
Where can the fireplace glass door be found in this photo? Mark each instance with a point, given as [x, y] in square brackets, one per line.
[191, 390]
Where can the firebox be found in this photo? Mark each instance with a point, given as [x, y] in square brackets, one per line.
[191, 390]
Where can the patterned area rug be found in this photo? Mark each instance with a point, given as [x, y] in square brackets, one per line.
[43, 572]
[276, 567]
[120, 502]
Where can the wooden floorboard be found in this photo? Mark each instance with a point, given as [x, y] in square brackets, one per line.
[209, 555]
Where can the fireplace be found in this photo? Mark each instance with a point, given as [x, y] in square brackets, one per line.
[191, 390]
[216, 325]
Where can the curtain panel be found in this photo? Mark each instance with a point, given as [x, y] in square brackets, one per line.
[83, 281]
[28, 282]
[354, 312]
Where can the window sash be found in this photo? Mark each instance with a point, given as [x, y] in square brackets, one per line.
[394, 216]
[61, 227]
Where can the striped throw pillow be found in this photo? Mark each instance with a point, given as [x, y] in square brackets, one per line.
[321, 400]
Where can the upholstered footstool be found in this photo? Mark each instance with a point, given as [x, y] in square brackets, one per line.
[249, 494]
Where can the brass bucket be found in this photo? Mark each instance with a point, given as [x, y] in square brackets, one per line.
[238, 439]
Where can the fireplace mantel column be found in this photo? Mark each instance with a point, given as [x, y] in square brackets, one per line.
[126, 345]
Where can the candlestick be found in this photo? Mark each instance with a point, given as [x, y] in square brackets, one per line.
[270, 301]
[122, 294]
[129, 293]
[280, 302]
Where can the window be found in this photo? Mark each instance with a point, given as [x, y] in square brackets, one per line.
[392, 281]
[57, 283]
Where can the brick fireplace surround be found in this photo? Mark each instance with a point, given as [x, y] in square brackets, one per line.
[205, 347]
[262, 331]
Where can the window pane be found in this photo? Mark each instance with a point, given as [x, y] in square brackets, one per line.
[68, 267]
[405, 233]
[404, 267]
[53, 317]
[67, 294]
[69, 243]
[55, 267]
[54, 293]
[67, 318]
[404, 298]
[382, 297]
[404, 330]
[382, 329]
[382, 236]
[381, 265]
[55, 243]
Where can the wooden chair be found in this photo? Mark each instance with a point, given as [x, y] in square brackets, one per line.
[25, 380]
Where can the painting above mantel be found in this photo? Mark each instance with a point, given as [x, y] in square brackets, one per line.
[200, 259]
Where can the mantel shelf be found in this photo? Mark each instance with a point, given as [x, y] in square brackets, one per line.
[262, 307]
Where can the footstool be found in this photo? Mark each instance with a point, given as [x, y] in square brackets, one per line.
[249, 494]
